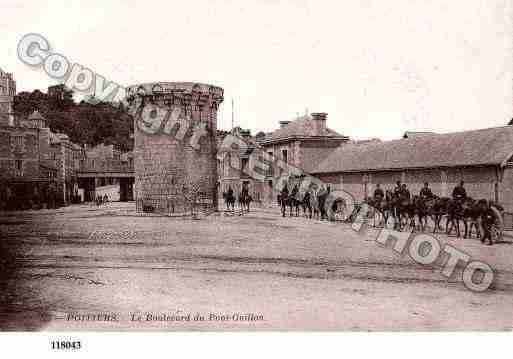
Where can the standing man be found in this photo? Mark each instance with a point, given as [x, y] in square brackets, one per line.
[459, 193]
[487, 221]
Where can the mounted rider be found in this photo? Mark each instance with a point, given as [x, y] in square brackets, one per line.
[295, 191]
[245, 190]
[404, 192]
[284, 194]
[397, 189]
[425, 193]
[459, 193]
[378, 193]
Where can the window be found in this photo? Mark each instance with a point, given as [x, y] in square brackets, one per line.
[284, 155]
[17, 142]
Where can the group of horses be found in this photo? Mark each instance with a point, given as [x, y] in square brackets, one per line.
[404, 212]
[414, 212]
[312, 202]
[243, 199]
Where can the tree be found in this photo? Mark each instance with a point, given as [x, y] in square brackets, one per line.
[84, 123]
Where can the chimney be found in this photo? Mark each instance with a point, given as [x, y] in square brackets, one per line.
[319, 121]
[284, 123]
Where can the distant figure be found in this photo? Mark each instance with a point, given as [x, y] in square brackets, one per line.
[397, 189]
[459, 193]
[405, 193]
[487, 220]
[378, 193]
[229, 199]
[105, 198]
[425, 192]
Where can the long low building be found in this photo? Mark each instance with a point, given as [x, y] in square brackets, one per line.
[481, 158]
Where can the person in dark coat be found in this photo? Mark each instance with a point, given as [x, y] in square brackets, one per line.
[425, 192]
[487, 220]
[378, 193]
[459, 193]
[397, 189]
[405, 193]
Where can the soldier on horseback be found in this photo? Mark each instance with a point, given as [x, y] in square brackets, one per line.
[378, 193]
[459, 193]
[404, 193]
[425, 192]
[397, 189]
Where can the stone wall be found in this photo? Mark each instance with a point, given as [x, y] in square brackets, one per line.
[19, 154]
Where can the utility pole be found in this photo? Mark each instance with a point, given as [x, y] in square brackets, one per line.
[233, 118]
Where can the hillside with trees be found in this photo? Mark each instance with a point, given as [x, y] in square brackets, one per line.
[84, 122]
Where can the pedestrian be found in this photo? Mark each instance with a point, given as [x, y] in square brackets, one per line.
[487, 221]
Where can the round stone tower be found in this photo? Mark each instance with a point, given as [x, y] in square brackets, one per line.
[175, 146]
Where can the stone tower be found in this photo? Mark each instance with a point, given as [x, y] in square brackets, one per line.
[175, 146]
[7, 92]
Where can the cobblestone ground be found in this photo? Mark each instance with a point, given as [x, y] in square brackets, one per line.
[253, 272]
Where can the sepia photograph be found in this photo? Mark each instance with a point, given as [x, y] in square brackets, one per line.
[256, 166]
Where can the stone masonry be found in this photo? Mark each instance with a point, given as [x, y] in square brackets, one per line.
[171, 174]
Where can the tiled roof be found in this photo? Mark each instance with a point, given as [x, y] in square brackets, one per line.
[491, 146]
[301, 127]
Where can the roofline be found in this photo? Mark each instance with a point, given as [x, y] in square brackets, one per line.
[505, 162]
[397, 169]
[315, 138]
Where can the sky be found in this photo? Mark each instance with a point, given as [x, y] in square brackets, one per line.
[378, 68]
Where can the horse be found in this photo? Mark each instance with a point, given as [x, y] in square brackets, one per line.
[229, 200]
[322, 196]
[400, 208]
[294, 200]
[284, 201]
[406, 212]
[377, 206]
[306, 204]
[437, 208]
[458, 210]
[245, 200]
[472, 217]
[314, 205]
[473, 214]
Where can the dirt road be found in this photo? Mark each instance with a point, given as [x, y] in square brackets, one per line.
[84, 268]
